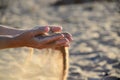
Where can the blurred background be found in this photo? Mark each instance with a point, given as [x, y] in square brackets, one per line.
[94, 24]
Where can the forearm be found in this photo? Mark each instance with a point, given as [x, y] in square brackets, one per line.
[5, 30]
[8, 42]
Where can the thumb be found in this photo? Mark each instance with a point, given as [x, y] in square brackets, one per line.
[39, 31]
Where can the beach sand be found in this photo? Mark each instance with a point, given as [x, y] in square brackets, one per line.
[95, 51]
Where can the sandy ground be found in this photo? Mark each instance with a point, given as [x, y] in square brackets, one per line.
[95, 51]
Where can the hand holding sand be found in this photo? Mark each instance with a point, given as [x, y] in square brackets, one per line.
[21, 38]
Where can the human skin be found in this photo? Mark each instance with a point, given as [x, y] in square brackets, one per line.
[13, 38]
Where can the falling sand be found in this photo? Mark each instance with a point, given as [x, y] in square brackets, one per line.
[48, 65]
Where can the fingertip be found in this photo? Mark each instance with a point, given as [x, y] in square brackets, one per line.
[68, 36]
[70, 39]
[47, 29]
[62, 35]
[60, 27]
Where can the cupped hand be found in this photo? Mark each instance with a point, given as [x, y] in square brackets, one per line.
[38, 38]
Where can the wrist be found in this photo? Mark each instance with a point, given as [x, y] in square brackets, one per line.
[9, 42]
[15, 42]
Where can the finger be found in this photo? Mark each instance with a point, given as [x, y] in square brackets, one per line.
[62, 45]
[62, 41]
[68, 36]
[55, 29]
[49, 39]
[39, 31]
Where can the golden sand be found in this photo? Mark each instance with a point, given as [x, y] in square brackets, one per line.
[46, 65]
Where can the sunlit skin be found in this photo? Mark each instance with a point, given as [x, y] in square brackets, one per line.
[12, 38]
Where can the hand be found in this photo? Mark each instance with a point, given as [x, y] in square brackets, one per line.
[28, 38]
